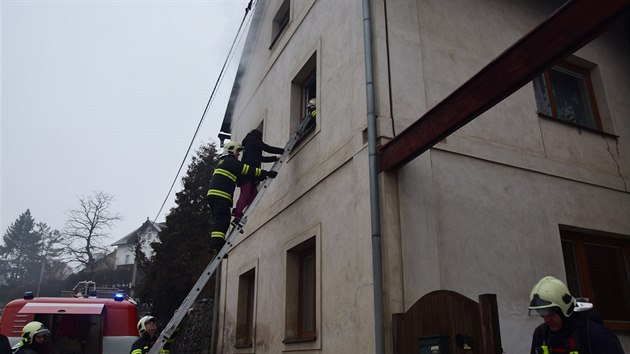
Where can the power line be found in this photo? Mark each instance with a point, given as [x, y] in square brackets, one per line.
[210, 100]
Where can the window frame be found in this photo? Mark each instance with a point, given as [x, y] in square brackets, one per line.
[304, 86]
[294, 331]
[305, 255]
[546, 101]
[245, 309]
[302, 338]
[578, 274]
[280, 22]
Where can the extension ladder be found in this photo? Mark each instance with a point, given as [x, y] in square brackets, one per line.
[180, 313]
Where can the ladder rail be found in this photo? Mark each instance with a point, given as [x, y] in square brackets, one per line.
[189, 300]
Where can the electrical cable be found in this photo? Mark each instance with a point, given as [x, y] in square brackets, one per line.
[210, 100]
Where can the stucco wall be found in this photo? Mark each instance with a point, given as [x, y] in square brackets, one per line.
[146, 238]
[480, 213]
[496, 230]
[344, 311]
[323, 186]
[122, 252]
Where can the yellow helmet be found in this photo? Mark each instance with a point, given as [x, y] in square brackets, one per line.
[231, 147]
[33, 329]
[548, 293]
[142, 324]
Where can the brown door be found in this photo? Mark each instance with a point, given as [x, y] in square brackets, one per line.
[449, 322]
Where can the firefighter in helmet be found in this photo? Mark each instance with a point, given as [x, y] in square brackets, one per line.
[311, 114]
[566, 330]
[34, 338]
[222, 186]
[148, 331]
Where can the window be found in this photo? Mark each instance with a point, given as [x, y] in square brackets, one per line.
[301, 318]
[127, 259]
[303, 94]
[245, 309]
[597, 268]
[280, 21]
[565, 92]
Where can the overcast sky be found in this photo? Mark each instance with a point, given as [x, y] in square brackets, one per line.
[105, 96]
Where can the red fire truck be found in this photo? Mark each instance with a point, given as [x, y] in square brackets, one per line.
[77, 325]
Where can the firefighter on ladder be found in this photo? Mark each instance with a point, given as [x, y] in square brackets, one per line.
[222, 186]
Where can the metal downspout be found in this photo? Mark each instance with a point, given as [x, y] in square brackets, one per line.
[374, 190]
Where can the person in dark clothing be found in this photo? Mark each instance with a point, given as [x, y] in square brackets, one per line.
[222, 187]
[148, 331]
[5, 347]
[566, 330]
[35, 338]
[253, 156]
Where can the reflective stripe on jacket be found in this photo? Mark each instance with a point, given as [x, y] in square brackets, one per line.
[228, 169]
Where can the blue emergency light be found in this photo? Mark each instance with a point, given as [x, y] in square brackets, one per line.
[28, 295]
[119, 297]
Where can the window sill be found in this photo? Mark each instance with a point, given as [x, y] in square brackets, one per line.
[275, 40]
[554, 119]
[299, 340]
[243, 346]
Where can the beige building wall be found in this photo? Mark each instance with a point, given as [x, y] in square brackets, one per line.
[479, 213]
[321, 191]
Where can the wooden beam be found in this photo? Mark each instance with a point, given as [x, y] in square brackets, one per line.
[568, 29]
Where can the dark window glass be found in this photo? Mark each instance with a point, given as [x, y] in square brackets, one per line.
[597, 268]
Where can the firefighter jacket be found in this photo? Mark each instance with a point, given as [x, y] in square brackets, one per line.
[225, 175]
[33, 348]
[26, 350]
[579, 335]
[142, 345]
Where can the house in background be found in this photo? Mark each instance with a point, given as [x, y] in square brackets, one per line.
[537, 185]
[146, 234]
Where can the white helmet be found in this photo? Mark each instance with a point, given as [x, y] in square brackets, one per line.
[550, 292]
[231, 147]
[142, 324]
[33, 329]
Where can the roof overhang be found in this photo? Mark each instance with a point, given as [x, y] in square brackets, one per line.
[62, 309]
[568, 29]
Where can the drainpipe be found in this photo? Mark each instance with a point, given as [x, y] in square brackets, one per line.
[374, 191]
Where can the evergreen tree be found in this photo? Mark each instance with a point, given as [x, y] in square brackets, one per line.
[52, 268]
[183, 251]
[21, 255]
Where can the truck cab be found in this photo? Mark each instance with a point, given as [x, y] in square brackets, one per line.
[77, 325]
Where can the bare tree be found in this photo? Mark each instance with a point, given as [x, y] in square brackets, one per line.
[86, 227]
